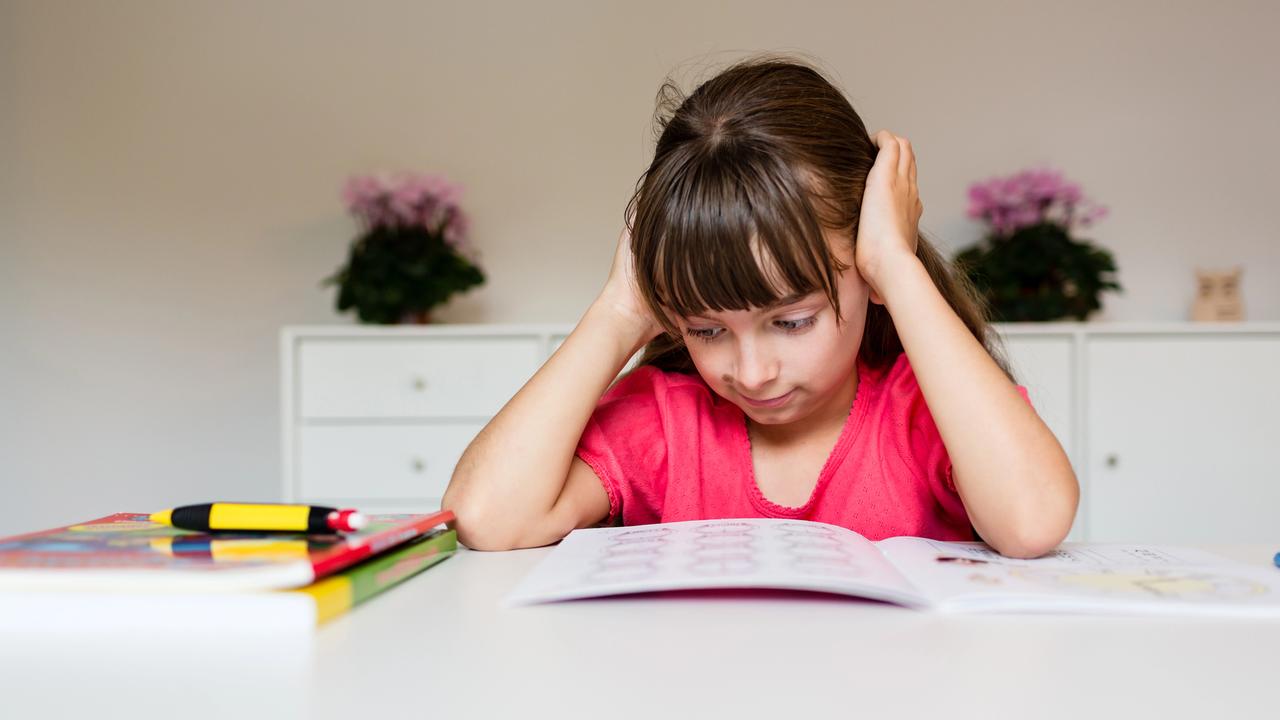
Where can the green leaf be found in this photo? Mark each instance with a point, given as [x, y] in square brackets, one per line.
[390, 272]
[1039, 273]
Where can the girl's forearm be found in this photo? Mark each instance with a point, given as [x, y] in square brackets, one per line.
[513, 471]
[1012, 474]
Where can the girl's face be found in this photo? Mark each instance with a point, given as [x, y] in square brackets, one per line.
[790, 362]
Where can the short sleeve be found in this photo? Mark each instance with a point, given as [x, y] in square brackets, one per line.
[624, 442]
[927, 447]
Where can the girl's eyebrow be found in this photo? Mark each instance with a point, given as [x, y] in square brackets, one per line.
[791, 299]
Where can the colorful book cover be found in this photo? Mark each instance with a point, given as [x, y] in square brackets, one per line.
[338, 593]
[188, 616]
[127, 551]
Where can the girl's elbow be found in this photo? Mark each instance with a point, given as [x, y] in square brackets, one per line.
[477, 538]
[1026, 543]
[1043, 530]
[1030, 546]
[475, 531]
[1038, 531]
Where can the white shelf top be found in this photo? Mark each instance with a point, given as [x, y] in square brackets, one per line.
[548, 328]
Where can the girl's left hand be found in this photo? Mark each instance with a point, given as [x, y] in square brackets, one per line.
[888, 222]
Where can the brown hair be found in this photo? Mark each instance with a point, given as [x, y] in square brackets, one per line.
[755, 162]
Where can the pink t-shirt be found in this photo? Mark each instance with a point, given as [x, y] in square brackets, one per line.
[668, 448]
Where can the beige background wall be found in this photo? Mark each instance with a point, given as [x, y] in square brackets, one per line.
[169, 177]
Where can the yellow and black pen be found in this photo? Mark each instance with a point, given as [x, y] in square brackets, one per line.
[261, 517]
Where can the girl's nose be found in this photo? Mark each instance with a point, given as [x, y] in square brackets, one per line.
[755, 371]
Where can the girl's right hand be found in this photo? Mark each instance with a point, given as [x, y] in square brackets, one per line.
[621, 294]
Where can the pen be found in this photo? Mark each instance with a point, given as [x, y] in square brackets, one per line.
[261, 517]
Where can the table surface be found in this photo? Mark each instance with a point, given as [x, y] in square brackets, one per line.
[441, 644]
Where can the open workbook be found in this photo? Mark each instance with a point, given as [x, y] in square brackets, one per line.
[910, 571]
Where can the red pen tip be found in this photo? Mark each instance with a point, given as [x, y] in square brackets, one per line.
[346, 520]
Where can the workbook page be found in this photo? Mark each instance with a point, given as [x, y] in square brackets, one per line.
[698, 554]
[1085, 577]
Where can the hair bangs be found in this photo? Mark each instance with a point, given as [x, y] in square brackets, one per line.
[730, 235]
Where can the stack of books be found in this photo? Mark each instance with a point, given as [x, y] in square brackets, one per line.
[125, 573]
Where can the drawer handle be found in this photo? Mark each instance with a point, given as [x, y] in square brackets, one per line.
[419, 383]
[419, 465]
[1113, 460]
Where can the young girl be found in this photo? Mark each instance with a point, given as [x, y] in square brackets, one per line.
[807, 353]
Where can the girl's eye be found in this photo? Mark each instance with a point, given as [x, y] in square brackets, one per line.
[796, 325]
[789, 326]
[703, 334]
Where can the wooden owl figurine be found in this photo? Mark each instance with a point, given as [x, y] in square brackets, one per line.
[1218, 295]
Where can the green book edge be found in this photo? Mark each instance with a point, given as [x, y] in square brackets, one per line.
[338, 593]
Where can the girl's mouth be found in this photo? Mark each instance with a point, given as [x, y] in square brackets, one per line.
[769, 403]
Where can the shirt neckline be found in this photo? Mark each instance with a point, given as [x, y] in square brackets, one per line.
[850, 430]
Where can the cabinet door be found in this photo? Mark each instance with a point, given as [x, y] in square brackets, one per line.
[1045, 366]
[400, 463]
[1182, 437]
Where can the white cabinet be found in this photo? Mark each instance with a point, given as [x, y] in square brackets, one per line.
[1183, 437]
[377, 417]
[1171, 428]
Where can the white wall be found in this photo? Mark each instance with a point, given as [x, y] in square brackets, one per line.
[169, 176]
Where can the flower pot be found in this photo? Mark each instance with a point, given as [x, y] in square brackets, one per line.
[416, 317]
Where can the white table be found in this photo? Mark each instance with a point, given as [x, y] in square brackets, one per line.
[441, 646]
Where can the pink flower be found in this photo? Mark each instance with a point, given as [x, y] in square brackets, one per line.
[1070, 194]
[407, 199]
[1025, 199]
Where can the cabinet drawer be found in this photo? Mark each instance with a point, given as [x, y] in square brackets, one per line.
[412, 377]
[380, 461]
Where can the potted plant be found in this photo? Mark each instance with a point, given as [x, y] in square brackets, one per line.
[1028, 266]
[411, 253]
